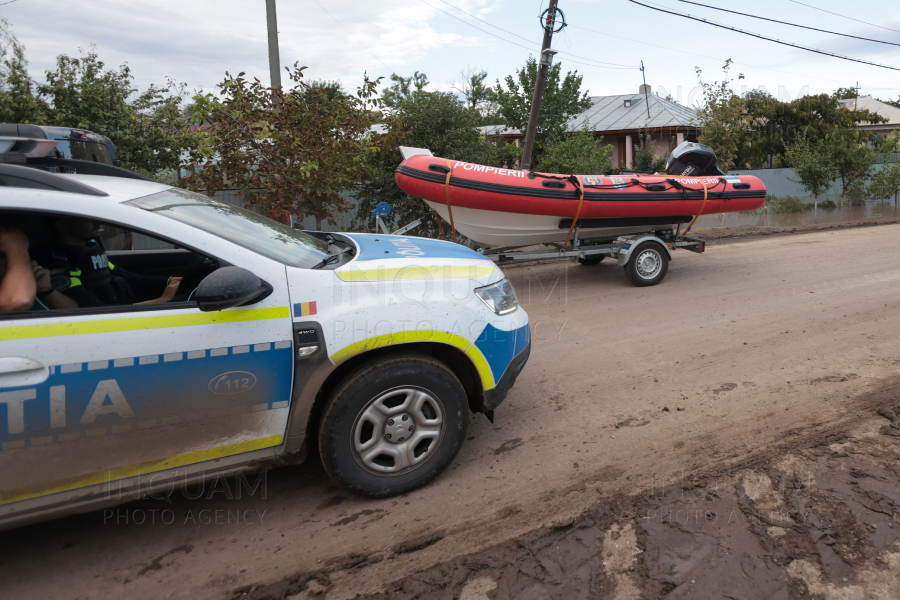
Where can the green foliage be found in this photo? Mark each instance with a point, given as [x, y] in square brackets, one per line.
[813, 165]
[437, 121]
[579, 153]
[645, 159]
[561, 101]
[722, 122]
[477, 95]
[752, 130]
[403, 89]
[147, 127]
[291, 149]
[852, 158]
[886, 182]
[828, 203]
[19, 99]
[786, 204]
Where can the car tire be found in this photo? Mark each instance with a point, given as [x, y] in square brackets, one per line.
[393, 425]
[591, 259]
[647, 264]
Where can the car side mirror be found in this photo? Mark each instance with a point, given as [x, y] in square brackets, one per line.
[229, 287]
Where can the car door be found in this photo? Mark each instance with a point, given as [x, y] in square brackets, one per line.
[110, 396]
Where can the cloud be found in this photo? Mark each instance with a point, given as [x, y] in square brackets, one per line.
[197, 42]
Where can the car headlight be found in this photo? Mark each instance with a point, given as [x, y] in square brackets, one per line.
[500, 297]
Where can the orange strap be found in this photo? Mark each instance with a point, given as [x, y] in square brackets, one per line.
[702, 206]
[577, 212]
[440, 227]
[449, 209]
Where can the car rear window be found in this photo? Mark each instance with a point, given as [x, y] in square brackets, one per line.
[238, 225]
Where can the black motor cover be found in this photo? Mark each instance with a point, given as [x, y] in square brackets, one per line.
[692, 159]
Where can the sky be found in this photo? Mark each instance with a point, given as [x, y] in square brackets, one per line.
[198, 41]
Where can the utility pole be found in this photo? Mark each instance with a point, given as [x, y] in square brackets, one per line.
[543, 65]
[646, 94]
[274, 58]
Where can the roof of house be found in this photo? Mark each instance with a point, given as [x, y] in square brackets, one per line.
[609, 113]
[891, 113]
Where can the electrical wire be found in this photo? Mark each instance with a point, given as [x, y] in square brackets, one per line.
[619, 37]
[734, 12]
[843, 16]
[353, 38]
[531, 48]
[762, 37]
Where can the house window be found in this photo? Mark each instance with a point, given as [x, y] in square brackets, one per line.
[627, 103]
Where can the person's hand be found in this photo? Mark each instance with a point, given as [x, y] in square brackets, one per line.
[170, 290]
[12, 240]
[41, 277]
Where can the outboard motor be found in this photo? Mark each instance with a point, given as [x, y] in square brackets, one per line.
[692, 159]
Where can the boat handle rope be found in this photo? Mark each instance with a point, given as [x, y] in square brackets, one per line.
[577, 212]
[702, 206]
[447, 191]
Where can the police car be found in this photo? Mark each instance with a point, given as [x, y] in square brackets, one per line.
[371, 349]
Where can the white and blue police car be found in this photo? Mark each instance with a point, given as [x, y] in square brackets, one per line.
[372, 348]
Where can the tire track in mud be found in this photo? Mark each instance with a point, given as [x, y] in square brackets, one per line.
[816, 517]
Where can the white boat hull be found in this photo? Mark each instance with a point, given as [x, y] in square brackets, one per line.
[493, 228]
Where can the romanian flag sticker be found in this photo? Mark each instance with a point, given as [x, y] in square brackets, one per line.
[305, 309]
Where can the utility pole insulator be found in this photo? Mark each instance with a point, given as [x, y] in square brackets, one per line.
[544, 62]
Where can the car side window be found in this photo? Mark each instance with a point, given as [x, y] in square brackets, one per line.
[79, 265]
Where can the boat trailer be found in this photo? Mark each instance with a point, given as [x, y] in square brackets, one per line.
[645, 256]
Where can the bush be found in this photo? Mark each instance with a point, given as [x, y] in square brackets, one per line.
[827, 204]
[787, 204]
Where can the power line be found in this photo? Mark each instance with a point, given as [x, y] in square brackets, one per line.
[844, 16]
[762, 37]
[619, 37]
[528, 40]
[532, 49]
[734, 12]
[353, 38]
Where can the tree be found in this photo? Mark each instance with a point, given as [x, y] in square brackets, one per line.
[722, 120]
[852, 158]
[403, 89]
[19, 99]
[472, 88]
[561, 101]
[437, 121]
[645, 159]
[886, 182]
[813, 164]
[291, 149]
[579, 153]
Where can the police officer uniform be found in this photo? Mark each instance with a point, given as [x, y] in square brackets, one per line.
[85, 274]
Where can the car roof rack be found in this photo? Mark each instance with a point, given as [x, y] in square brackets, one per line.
[20, 176]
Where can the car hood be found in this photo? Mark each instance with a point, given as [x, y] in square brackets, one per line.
[384, 257]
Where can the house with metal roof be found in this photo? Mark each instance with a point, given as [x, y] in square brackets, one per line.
[619, 120]
[889, 112]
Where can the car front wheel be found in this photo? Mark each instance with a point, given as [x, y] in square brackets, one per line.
[393, 425]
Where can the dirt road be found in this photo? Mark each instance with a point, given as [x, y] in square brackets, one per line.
[741, 394]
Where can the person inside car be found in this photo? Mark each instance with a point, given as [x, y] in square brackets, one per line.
[17, 284]
[81, 270]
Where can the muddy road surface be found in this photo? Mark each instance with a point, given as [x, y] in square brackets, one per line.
[730, 433]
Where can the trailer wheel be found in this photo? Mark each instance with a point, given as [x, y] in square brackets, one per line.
[647, 264]
[590, 260]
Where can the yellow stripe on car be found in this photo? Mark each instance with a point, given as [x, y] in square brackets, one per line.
[421, 335]
[390, 274]
[41, 330]
[79, 481]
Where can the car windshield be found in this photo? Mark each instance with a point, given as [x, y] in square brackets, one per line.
[238, 225]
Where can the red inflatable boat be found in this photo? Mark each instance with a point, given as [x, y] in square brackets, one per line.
[505, 207]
